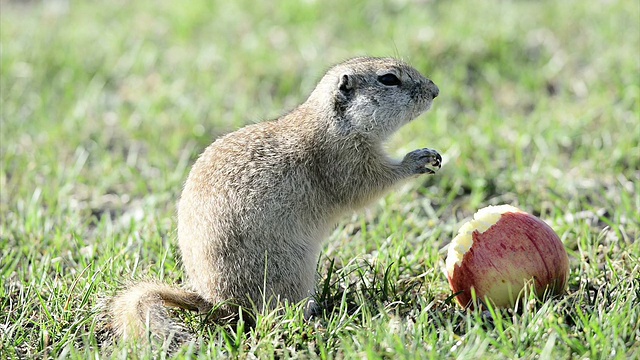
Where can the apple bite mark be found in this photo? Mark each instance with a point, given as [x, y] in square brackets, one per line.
[482, 220]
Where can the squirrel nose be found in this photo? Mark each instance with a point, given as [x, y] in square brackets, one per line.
[433, 88]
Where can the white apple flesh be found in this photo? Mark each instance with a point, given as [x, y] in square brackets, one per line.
[500, 251]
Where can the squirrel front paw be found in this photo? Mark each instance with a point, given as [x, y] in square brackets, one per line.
[423, 161]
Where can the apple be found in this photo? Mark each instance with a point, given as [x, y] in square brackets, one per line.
[502, 250]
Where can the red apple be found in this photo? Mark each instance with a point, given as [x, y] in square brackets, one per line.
[500, 251]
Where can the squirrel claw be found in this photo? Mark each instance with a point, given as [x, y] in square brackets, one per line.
[423, 161]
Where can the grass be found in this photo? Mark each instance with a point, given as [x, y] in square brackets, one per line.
[105, 106]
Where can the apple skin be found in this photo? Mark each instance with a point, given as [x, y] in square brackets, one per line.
[517, 248]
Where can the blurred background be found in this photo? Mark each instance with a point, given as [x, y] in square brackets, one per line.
[104, 103]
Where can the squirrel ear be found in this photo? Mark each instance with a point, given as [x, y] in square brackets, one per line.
[345, 92]
[346, 84]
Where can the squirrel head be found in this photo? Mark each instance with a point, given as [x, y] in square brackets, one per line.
[373, 97]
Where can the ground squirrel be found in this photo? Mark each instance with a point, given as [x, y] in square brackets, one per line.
[259, 202]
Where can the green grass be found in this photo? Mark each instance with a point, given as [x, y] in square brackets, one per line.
[105, 106]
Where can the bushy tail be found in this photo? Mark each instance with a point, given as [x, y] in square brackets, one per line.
[141, 311]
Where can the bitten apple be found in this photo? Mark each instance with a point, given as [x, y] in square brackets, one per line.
[502, 249]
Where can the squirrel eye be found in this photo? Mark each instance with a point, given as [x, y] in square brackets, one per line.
[389, 80]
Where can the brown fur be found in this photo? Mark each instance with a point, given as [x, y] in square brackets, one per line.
[259, 202]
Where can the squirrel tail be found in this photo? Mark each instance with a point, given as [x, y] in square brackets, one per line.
[141, 310]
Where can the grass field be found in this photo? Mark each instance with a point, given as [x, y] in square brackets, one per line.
[105, 106]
